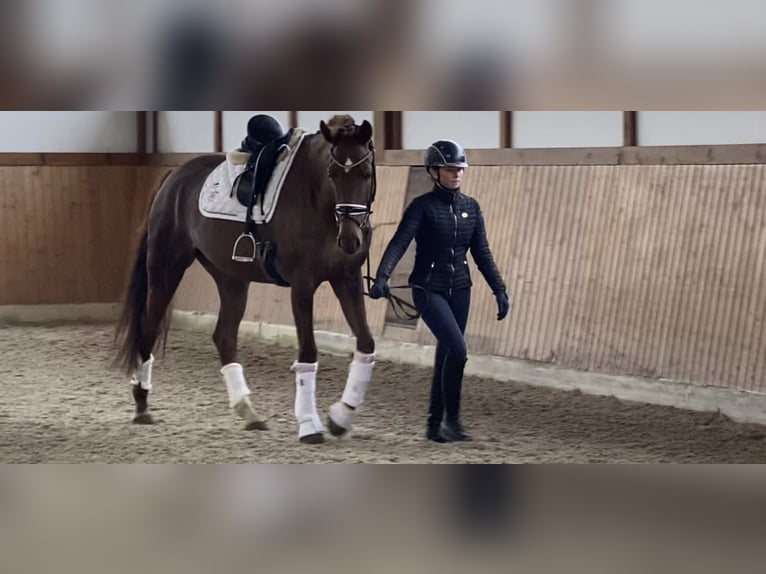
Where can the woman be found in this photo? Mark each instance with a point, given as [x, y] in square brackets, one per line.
[445, 224]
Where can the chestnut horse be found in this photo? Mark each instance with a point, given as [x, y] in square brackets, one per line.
[320, 231]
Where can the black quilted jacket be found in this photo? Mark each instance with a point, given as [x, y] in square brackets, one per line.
[445, 226]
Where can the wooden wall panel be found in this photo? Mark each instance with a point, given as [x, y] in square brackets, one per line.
[64, 232]
[650, 271]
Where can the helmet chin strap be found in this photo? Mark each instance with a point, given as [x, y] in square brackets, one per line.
[438, 183]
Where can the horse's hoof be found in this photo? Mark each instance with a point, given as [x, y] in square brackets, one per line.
[256, 425]
[244, 410]
[143, 419]
[316, 438]
[339, 419]
[335, 430]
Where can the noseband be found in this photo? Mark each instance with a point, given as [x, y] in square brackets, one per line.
[357, 212]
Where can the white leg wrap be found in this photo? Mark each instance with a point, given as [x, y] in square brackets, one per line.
[143, 374]
[359, 375]
[305, 399]
[234, 377]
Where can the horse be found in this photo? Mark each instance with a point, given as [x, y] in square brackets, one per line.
[321, 232]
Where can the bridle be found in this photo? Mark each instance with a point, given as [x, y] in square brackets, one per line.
[360, 214]
[357, 212]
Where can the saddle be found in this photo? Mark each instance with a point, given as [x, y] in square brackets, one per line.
[251, 184]
[250, 188]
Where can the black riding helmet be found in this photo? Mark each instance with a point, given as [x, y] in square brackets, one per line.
[445, 153]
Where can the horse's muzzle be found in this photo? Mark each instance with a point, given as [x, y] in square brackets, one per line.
[350, 245]
[352, 220]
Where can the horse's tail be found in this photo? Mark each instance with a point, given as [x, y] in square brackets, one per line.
[131, 320]
[130, 324]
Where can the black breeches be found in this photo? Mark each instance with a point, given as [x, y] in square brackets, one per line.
[446, 317]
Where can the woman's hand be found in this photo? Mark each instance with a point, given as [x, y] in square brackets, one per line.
[503, 305]
[380, 289]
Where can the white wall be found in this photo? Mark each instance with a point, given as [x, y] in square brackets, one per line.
[235, 125]
[68, 132]
[185, 132]
[567, 129]
[470, 129]
[190, 132]
[701, 128]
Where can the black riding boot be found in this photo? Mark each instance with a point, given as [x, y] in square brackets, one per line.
[435, 406]
[452, 387]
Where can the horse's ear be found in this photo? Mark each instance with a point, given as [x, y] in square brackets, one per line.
[326, 132]
[365, 132]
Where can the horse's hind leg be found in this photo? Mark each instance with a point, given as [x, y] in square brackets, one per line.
[350, 293]
[310, 428]
[233, 295]
[163, 280]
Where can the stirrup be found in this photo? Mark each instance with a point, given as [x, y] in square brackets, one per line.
[242, 258]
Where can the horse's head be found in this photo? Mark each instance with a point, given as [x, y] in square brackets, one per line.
[351, 170]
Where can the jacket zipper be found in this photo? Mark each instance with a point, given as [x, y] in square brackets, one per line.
[430, 272]
[454, 242]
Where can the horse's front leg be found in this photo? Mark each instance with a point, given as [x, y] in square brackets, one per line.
[310, 428]
[233, 295]
[350, 293]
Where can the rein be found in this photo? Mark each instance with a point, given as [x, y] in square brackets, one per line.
[408, 311]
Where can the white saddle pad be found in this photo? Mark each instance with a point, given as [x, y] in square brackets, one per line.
[217, 201]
